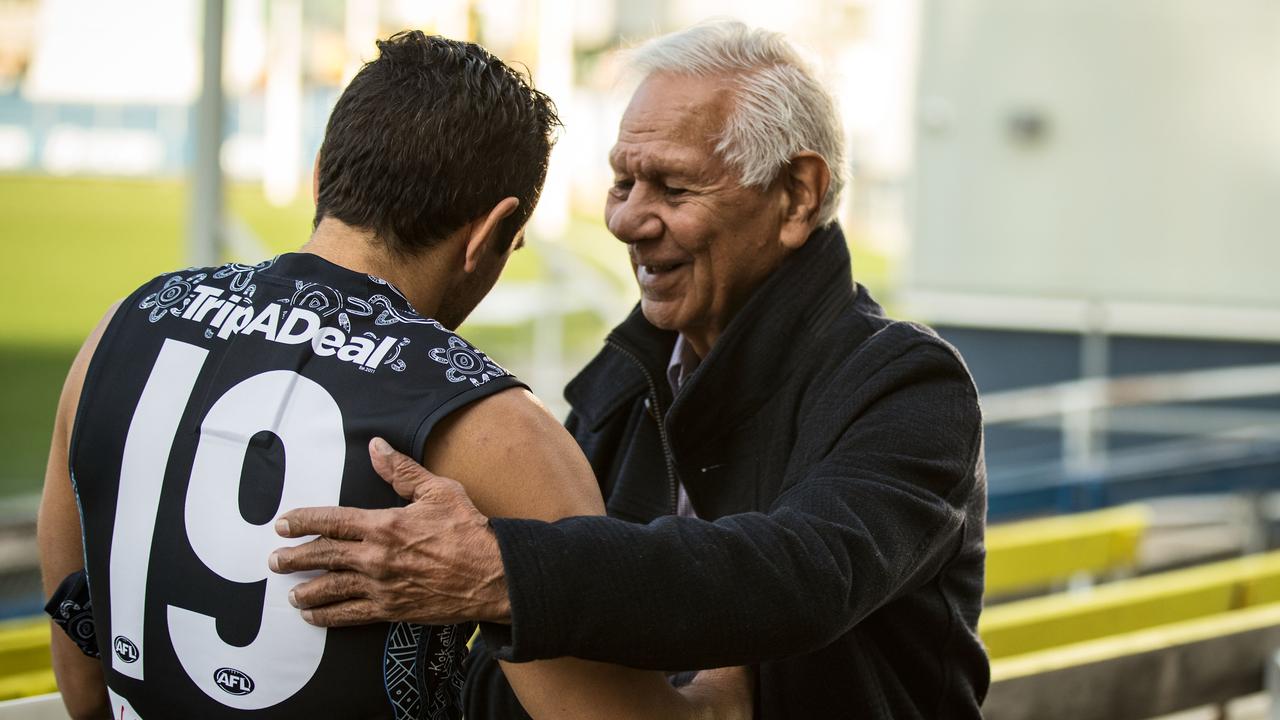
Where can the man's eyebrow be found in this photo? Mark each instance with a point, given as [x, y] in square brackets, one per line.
[681, 171]
[674, 171]
[649, 167]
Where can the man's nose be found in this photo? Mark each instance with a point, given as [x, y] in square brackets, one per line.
[634, 219]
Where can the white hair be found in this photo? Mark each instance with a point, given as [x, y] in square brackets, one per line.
[781, 110]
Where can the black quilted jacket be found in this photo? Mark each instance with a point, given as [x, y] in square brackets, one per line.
[836, 458]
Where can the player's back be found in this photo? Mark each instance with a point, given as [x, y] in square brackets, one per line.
[217, 399]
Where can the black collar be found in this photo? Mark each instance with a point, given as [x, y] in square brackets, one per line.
[758, 349]
[767, 339]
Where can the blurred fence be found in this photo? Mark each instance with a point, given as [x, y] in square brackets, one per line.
[1188, 447]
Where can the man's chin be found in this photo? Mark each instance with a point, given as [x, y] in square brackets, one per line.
[660, 314]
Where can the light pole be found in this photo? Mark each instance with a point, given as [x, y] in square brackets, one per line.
[205, 233]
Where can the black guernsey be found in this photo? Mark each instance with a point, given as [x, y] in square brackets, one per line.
[219, 398]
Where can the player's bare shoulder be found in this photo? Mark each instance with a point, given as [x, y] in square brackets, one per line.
[514, 458]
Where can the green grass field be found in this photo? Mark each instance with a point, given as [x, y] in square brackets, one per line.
[73, 246]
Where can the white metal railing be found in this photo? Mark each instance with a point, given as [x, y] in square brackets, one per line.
[1077, 404]
[1104, 393]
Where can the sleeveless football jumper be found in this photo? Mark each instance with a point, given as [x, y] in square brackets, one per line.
[218, 399]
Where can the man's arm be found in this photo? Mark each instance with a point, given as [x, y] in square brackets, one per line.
[512, 458]
[881, 511]
[84, 691]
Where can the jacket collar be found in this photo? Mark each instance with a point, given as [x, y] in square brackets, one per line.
[767, 339]
[629, 362]
[757, 349]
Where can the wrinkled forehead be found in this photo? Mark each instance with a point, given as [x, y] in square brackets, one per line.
[678, 119]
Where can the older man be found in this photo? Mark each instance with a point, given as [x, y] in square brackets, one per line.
[795, 481]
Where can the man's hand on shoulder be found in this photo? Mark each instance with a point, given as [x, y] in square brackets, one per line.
[437, 560]
[434, 561]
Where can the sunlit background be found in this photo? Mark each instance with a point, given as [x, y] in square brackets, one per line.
[1082, 195]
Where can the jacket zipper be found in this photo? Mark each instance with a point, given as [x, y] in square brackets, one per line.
[667, 454]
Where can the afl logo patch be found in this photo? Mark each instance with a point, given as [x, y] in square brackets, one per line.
[125, 649]
[233, 681]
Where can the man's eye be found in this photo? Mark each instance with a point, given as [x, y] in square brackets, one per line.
[675, 191]
[622, 187]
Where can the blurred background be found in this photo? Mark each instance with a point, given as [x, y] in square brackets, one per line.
[1081, 195]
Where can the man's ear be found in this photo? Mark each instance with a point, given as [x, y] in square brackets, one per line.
[483, 231]
[805, 181]
[315, 181]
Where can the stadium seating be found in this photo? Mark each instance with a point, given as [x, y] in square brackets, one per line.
[1039, 554]
[1141, 674]
[25, 664]
[1128, 605]
[1136, 648]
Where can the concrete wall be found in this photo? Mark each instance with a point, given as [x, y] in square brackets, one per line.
[1094, 150]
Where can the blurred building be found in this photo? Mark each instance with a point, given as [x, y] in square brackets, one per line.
[1093, 166]
[1095, 192]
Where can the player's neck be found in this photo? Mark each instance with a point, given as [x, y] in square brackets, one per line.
[359, 251]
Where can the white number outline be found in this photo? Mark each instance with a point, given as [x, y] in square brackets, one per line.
[307, 420]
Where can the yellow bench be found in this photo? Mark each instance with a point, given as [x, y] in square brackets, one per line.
[1128, 605]
[26, 667]
[1140, 674]
[1034, 554]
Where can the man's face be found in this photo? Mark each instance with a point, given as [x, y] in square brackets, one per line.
[700, 243]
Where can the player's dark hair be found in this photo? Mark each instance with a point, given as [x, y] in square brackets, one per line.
[429, 136]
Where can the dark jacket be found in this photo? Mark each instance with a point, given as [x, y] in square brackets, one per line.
[839, 454]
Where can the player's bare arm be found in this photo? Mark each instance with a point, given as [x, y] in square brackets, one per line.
[513, 459]
[84, 691]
